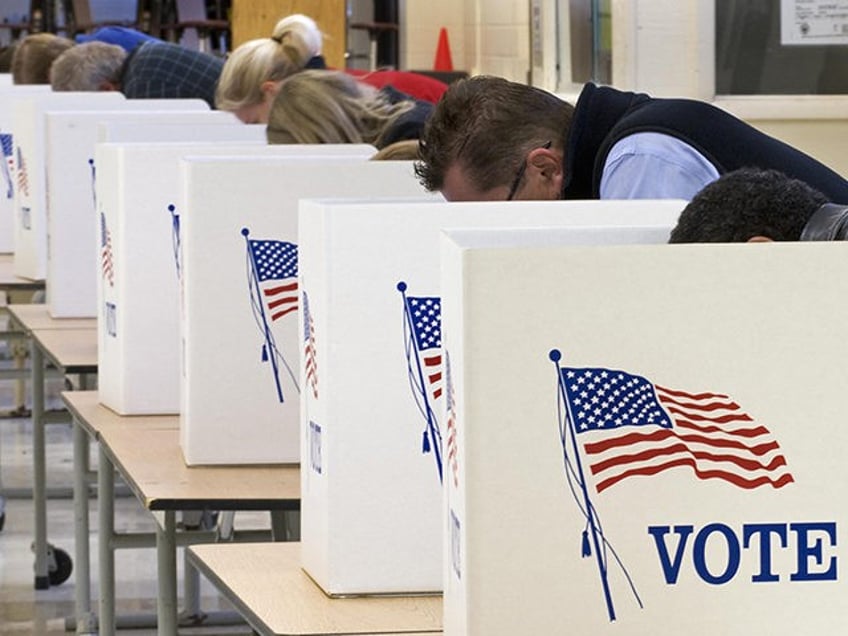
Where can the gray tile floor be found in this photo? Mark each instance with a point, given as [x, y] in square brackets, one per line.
[24, 610]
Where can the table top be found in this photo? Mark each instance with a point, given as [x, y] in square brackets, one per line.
[268, 587]
[72, 350]
[146, 450]
[36, 316]
[9, 281]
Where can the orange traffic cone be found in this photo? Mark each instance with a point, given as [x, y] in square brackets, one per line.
[443, 61]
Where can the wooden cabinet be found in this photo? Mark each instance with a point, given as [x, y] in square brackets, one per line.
[256, 19]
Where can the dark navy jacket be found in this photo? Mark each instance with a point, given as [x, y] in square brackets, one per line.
[604, 116]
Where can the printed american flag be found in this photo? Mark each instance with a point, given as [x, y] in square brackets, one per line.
[452, 458]
[106, 263]
[8, 163]
[23, 178]
[634, 427]
[425, 316]
[309, 347]
[276, 272]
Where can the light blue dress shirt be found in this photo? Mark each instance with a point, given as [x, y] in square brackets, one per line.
[654, 166]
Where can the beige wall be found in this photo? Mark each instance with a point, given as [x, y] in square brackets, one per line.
[486, 36]
[662, 47]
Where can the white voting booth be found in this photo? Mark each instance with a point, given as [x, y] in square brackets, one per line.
[373, 435]
[71, 137]
[28, 117]
[241, 390]
[150, 132]
[139, 340]
[7, 169]
[647, 439]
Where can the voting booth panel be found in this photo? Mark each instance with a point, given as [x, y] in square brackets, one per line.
[72, 169]
[28, 117]
[7, 169]
[139, 195]
[241, 386]
[646, 439]
[372, 431]
[147, 132]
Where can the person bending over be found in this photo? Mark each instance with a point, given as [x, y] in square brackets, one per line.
[492, 139]
[753, 205]
[331, 107]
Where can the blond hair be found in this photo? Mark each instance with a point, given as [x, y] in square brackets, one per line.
[404, 150]
[296, 39]
[330, 107]
[34, 56]
[88, 67]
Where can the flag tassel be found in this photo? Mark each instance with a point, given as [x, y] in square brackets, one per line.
[587, 549]
[264, 353]
[425, 443]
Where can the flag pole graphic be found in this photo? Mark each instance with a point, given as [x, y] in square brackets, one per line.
[555, 357]
[266, 329]
[93, 182]
[435, 437]
[175, 236]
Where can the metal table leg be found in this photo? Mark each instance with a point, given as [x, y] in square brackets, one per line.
[166, 554]
[106, 529]
[39, 477]
[86, 622]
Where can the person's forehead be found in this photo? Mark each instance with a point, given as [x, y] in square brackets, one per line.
[458, 186]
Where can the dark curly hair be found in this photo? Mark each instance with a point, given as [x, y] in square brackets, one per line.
[745, 203]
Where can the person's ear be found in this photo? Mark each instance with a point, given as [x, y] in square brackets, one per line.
[760, 239]
[546, 170]
[270, 89]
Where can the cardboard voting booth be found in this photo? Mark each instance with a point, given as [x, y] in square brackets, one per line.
[241, 389]
[149, 132]
[71, 137]
[645, 439]
[372, 434]
[139, 206]
[31, 175]
[7, 169]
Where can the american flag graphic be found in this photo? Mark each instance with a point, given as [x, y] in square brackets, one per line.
[309, 347]
[275, 266]
[631, 427]
[8, 165]
[425, 318]
[422, 334]
[106, 262]
[23, 178]
[452, 458]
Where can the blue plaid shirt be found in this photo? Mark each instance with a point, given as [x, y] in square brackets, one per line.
[165, 70]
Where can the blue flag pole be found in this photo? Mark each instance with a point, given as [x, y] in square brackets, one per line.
[175, 237]
[435, 438]
[93, 182]
[555, 357]
[268, 347]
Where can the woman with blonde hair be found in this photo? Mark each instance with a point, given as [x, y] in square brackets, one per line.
[253, 72]
[331, 107]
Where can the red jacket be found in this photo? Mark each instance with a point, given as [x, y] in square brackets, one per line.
[415, 85]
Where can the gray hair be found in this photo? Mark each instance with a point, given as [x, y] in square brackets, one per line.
[87, 67]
